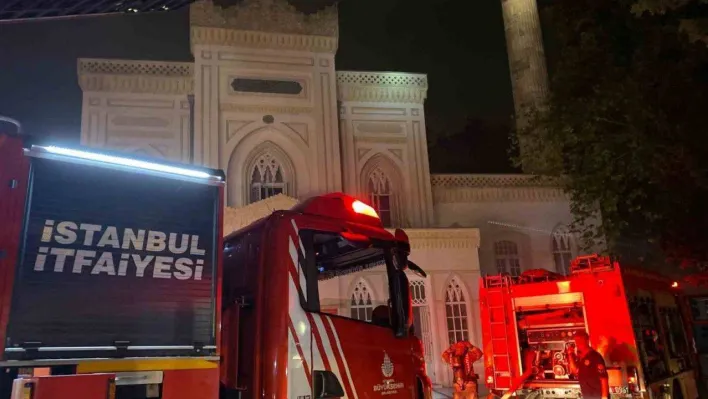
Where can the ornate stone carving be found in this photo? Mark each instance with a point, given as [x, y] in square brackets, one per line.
[397, 153]
[130, 67]
[463, 238]
[233, 127]
[261, 40]
[265, 16]
[361, 152]
[264, 109]
[387, 87]
[302, 130]
[490, 188]
[394, 79]
[129, 76]
[478, 181]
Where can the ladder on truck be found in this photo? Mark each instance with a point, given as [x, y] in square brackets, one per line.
[502, 341]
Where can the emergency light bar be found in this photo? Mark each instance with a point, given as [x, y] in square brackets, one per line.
[124, 161]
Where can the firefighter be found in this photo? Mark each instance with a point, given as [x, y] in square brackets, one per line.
[461, 357]
[589, 366]
[529, 356]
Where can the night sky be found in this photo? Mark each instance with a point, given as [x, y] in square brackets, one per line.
[458, 43]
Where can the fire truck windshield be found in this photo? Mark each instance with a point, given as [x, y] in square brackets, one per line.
[351, 277]
[336, 255]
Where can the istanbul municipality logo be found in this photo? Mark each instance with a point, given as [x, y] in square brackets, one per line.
[387, 366]
[388, 386]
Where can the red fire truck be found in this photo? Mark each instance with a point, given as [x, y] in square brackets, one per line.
[115, 282]
[635, 319]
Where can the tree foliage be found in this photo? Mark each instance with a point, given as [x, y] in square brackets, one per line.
[624, 128]
[692, 15]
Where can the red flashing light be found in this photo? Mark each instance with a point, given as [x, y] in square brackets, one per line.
[675, 284]
[362, 208]
[340, 206]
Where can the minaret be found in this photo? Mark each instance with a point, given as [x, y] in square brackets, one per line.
[527, 61]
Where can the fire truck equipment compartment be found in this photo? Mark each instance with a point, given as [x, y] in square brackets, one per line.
[112, 265]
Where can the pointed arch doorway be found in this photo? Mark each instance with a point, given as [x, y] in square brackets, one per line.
[421, 320]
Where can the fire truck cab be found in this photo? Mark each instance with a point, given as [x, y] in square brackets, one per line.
[291, 327]
[635, 320]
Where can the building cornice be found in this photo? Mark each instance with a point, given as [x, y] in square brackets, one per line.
[130, 76]
[382, 87]
[491, 180]
[462, 238]
[495, 188]
[265, 109]
[271, 16]
[201, 35]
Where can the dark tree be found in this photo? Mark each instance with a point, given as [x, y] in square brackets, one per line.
[624, 129]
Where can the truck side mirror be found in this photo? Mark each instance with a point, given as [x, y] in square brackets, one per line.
[417, 269]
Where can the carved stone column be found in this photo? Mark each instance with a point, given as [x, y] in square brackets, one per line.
[527, 61]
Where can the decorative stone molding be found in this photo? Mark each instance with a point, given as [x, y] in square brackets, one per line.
[463, 238]
[386, 87]
[495, 188]
[491, 180]
[261, 40]
[265, 109]
[265, 16]
[132, 67]
[130, 76]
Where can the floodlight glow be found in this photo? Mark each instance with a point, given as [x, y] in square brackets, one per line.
[129, 162]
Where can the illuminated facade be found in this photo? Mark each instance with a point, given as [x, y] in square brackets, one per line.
[263, 101]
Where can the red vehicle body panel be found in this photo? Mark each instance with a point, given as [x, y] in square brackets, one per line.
[13, 189]
[92, 386]
[190, 384]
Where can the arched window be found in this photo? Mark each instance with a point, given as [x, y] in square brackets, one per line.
[267, 178]
[380, 195]
[506, 254]
[362, 304]
[561, 241]
[456, 312]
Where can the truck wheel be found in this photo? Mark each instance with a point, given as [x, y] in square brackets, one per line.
[677, 393]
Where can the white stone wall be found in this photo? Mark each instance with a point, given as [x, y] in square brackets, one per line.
[231, 126]
[126, 108]
[382, 125]
[446, 254]
[504, 207]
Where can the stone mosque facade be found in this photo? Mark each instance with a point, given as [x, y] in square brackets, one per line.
[264, 102]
